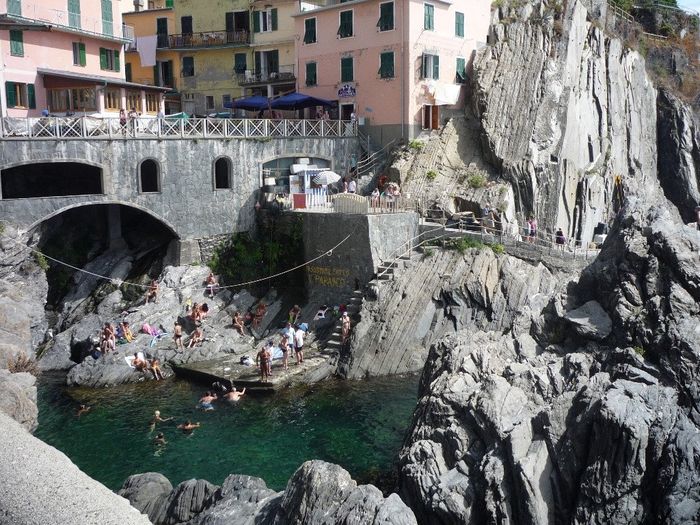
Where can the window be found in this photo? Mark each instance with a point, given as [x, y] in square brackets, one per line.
[113, 98]
[461, 71]
[430, 66]
[169, 3]
[222, 174]
[74, 13]
[265, 21]
[83, 99]
[311, 74]
[386, 16]
[186, 25]
[107, 26]
[109, 59]
[459, 24]
[149, 175]
[20, 95]
[225, 99]
[346, 69]
[79, 58]
[60, 100]
[345, 28]
[209, 100]
[127, 72]
[133, 100]
[16, 43]
[310, 31]
[14, 7]
[187, 66]
[429, 17]
[386, 64]
[152, 103]
[240, 63]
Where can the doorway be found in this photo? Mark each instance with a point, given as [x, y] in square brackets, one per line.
[431, 117]
[346, 110]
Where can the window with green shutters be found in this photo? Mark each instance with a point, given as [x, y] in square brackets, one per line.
[240, 63]
[386, 16]
[169, 3]
[74, 13]
[14, 7]
[345, 29]
[10, 94]
[79, 56]
[187, 66]
[19, 95]
[265, 21]
[346, 69]
[109, 59]
[386, 64]
[311, 74]
[31, 96]
[461, 71]
[16, 43]
[127, 72]
[431, 66]
[310, 31]
[273, 19]
[107, 26]
[459, 24]
[429, 17]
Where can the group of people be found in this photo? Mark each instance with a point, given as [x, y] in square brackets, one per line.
[291, 340]
[110, 336]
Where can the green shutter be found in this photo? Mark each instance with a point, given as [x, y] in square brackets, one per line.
[16, 43]
[127, 72]
[104, 64]
[428, 17]
[436, 67]
[116, 60]
[169, 3]
[345, 29]
[311, 73]
[10, 94]
[81, 53]
[74, 13]
[107, 26]
[156, 76]
[14, 7]
[31, 96]
[309, 30]
[240, 63]
[459, 24]
[461, 70]
[386, 16]
[273, 15]
[424, 66]
[169, 77]
[256, 21]
[346, 73]
[386, 65]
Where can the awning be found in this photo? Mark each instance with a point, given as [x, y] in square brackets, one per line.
[299, 101]
[97, 79]
[254, 103]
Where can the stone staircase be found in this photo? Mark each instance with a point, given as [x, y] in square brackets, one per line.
[335, 341]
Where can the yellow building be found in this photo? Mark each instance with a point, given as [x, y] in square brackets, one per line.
[273, 68]
[201, 50]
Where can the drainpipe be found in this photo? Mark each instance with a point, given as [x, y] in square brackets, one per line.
[403, 70]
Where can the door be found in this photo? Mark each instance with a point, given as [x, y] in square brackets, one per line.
[241, 21]
[426, 117]
[273, 61]
[186, 23]
[346, 110]
[162, 32]
[435, 117]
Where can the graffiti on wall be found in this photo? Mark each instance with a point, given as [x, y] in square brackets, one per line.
[328, 276]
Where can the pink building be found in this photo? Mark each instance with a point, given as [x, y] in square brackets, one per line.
[67, 56]
[399, 65]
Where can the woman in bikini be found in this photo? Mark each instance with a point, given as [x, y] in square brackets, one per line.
[263, 360]
[177, 336]
[109, 338]
[196, 338]
[237, 322]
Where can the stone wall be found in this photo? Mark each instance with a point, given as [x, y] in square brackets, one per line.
[373, 239]
[187, 204]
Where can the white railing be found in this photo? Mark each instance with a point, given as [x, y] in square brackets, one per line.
[38, 11]
[79, 128]
[318, 200]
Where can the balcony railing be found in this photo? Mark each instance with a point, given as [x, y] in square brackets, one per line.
[37, 12]
[283, 74]
[206, 39]
[95, 128]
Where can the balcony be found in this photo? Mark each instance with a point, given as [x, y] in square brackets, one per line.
[204, 40]
[282, 74]
[58, 19]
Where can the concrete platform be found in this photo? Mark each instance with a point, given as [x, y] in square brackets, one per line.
[229, 368]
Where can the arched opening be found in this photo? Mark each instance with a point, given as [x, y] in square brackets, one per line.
[222, 173]
[149, 176]
[51, 179]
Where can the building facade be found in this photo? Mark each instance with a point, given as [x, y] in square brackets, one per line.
[66, 56]
[399, 65]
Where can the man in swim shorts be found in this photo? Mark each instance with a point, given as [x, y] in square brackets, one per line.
[205, 403]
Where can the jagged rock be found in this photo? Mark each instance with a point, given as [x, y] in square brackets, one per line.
[15, 333]
[185, 501]
[72, 345]
[18, 398]
[590, 321]
[42, 487]
[147, 492]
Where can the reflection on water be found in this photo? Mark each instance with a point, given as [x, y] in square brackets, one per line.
[357, 424]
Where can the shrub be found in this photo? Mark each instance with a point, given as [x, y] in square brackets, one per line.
[23, 363]
[2, 228]
[431, 175]
[640, 351]
[464, 243]
[41, 261]
[415, 144]
[476, 181]
[497, 248]
[428, 252]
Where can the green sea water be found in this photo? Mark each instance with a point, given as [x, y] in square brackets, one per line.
[357, 424]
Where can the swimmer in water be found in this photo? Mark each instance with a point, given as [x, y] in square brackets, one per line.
[157, 419]
[234, 395]
[205, 403]
[187, 427]
[82, 410]
[159, 439]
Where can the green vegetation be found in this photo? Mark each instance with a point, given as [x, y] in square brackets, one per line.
[428, 252]
[415, 144]
[2, 227]
[41, 261]
[431, 175]
[464, 243]
[23, 363]
[640, 351]
[476, 181]
[497, 248]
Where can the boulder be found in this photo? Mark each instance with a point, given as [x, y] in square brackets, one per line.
[18, 398]
[590, 321]
[147, 492]
[185, 501]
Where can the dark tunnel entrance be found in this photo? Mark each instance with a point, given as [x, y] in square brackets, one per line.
[51, 179]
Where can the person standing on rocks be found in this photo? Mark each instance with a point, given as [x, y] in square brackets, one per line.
[152, 292]
[177, 336]
[262, 359]
[299, 345]
[284, 345]
[559, 238]
[345, 327]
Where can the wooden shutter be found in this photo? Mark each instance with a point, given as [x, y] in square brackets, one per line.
[31, 96]
[104, 64]
[81, 54]
[311, 73]
[258, 62]
[127, 72]
[14, 7]
[116, 60]
[107, 26]
[10, 94]
[256, 21]
[156, 74]
[240, 62]
[74, 13]
[273, 16]
[229, 22]
[169, 3]
[459, 24]
[436, 67]
[16, 43]
[346, 73]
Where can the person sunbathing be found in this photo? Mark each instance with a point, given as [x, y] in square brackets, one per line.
[108, 338]
[260, 312]
[212, 284]
[196, 338]
[237, 322]
[154, 367]
[139, 364]
[152, 292]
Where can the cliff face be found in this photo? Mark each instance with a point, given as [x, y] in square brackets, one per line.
[581, 123]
